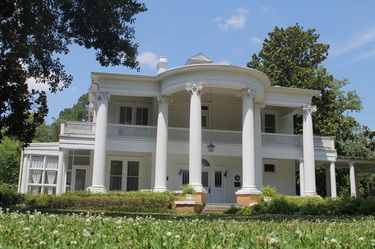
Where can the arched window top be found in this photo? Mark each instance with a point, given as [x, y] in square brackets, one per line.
[205, 163]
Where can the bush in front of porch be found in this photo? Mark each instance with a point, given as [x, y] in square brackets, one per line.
[136, 201]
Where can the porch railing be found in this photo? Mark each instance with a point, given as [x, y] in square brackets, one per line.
[182, 134]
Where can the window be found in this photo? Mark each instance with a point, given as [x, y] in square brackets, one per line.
[269, 123]
[205, 116]
[133, 176]
[268, 167]
[115, 175]
[185, 177]
[205, 163]
[218, 179]
[43, 174]
[205, 179]
[80, 158]
[132, 115]
[125, 115]
[142, 116]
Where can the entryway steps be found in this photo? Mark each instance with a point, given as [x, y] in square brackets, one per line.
[217, 207]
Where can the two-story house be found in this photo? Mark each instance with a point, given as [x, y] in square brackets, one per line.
[223, 129]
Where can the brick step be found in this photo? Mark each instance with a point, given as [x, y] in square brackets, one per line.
[216, 207]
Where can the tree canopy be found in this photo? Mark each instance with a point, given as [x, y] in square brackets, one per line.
[34, 33]
[292, 57]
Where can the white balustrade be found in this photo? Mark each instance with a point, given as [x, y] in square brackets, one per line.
[182, 134]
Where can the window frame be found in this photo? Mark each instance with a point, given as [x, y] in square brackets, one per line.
[269, 112]
[134, 107]
[272, 162]
[124, 177]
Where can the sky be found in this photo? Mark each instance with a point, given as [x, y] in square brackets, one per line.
[231, 31]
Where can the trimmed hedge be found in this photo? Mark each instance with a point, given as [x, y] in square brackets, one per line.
[316, 206]
[9, 196]
[112, 201]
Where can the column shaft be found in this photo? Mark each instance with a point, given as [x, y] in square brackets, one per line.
[308, 151]
[60, 173]
[353, 188]
[258, 147]
[301, 178]
[98, 173]
[161, 146]
[332, 170]
[195, 137]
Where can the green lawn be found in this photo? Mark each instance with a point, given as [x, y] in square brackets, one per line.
[18, 230]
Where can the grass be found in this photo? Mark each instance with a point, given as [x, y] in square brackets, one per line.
[37, 230]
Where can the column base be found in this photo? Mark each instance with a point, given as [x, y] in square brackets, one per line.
[195, 204]
[247, 197]
[96, 189]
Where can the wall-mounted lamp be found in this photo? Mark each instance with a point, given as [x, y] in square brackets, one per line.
[211, 147]
[226, 173]
[180, 172]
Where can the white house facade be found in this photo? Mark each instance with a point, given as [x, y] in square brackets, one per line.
[223, 129]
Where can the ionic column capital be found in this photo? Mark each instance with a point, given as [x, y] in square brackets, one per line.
[194, 88]
[308, 109]
[103, 96]
[164, 99]
[247, 92]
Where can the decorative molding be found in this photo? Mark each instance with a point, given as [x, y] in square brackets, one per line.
[193, 88]
[164, 99]
[103, 96]
[91, 106]
[308, 109]
[259, 106]
[247, 92]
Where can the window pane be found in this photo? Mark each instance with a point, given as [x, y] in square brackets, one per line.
[132, 184]
[35, 176]
[81, 160]
[142, 116]
[69, 178]
[116, 168]
[185, 177]
[82, 152]
[115, 183]
[80, 179]
[204, 121]
[133, 168]
[125, 115]
[205, 179]
[70, 162]
[270, 125]
[37, 162]
[49, 190]
[218, 178]
[269, 168]
[50, 177]
[205, 163]
[52, 162]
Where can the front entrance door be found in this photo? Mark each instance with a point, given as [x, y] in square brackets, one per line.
[79, 178]
[212, 181]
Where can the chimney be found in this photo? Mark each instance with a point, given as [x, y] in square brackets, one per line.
[162, 64]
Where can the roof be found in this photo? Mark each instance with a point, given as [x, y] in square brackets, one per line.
[199, 58]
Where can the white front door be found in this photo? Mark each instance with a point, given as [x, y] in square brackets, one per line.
[213, 182]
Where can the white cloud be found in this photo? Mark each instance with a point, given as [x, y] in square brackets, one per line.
[236, 21]
[224, 62]
[256, 40]
[363, 39]
[149, 59]
[33, 85]
[366, 55]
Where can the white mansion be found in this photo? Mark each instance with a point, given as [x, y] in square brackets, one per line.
[221, 128]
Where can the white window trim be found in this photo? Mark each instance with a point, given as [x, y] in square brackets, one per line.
[134, 107]
[272, 112]
[124, 176]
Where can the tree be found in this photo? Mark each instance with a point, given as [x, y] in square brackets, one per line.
[78, 112]
[293, 57]
[33, 33]
[10, 153]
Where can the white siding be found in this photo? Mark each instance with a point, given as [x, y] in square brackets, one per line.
[283, 179]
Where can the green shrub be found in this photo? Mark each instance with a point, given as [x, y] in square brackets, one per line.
[316, 206]
[269, 191]
[9, 196]
[112, 201]
[188, 189]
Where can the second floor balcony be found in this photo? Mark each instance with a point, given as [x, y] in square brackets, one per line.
[119, 131]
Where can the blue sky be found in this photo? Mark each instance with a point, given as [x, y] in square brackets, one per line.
[231, 31]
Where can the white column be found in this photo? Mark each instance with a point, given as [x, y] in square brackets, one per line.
[308, 151]
[195, 137]
[98, 172]
[301, 178]
[332, 170]
[258, 146]
[248, 148]
[25, 173]
[161, 146]
[20, 175]
[353, 188]
[60, 172]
